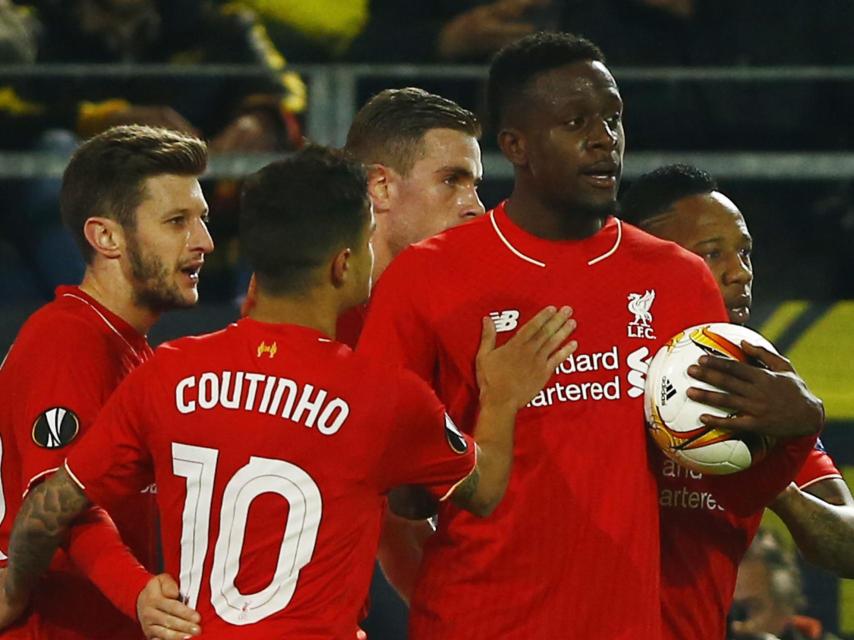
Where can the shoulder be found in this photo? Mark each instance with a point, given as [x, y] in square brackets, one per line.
[647, 247]
[442, 253]
[58, 330]
[189, 345]
[376, 374]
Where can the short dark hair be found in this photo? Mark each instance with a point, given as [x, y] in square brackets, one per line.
[294, 213]
[106, 175]
[515, 65]
[390, 127]
[655, 192]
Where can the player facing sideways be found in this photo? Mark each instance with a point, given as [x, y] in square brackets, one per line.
[683, 204]
[424, 166]
[271, 444]
[131, 199]
[545, 561]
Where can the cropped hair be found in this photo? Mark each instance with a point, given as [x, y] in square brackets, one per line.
[655, 192]
[295, 213]
[517, 64]
[106, 175]
[390, 128]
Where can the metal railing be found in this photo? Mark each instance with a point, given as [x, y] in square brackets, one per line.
[333, 97]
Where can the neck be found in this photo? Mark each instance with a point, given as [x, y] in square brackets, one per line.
[106, 284]
[383, 255]
[313, 309]
[549, 222]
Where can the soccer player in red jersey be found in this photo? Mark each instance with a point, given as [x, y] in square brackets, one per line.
[702, 545]
[132, 200]
[574, 547]
[272, 445]
[424, 167]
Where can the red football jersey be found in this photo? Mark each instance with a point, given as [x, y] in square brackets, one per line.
[703, 541]
[573, 549]
[349, 325]
[818, 466]
[66, 361]
[272, 447]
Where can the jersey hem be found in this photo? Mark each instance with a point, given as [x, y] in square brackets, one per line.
[36, 479]
[463, 479]
[829, 476]
[73, 477]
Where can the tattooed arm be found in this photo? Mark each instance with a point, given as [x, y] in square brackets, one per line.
[821, 520]
[41, 526]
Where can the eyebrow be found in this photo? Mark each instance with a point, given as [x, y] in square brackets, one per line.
[459, 172]
[184, 211]
[745, 238]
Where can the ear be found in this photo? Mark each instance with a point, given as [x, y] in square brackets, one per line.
[105, 236]
[341, 267]
[512, 143]
[382, 187]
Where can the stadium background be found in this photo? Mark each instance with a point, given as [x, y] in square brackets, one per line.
[777, 137]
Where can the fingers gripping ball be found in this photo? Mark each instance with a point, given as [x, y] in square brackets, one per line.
[673, 418]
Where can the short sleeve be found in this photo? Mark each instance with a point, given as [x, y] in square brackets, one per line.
[750, 491]
[112, 459]
[818, 466]
[73, 378]
[424, 446]
[396, 330]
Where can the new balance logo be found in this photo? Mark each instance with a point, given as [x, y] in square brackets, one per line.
[667, 390]
[505, 320]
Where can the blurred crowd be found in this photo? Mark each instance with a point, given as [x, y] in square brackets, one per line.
[265, 111]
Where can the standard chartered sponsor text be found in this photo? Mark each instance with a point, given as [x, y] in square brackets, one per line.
[583, 363]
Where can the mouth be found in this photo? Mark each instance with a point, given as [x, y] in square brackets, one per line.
[739, 309]
[602, 175]
[192, 271]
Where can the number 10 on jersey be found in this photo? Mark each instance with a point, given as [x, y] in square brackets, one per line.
[259, 476]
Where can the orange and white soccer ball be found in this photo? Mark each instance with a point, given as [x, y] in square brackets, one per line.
[674, 419]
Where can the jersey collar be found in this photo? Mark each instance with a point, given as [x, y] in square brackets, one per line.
[540, 252]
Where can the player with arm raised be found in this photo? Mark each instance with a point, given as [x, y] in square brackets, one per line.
[683, 204]
[132, 200]
[544, 563]
[272, 444]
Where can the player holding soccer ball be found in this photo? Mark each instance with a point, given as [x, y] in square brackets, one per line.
[132, 200]
[548, 560]
[701, 549]
[272, 445]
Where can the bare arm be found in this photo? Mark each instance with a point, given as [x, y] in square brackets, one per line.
[508, 377]
[400, 550]
[41, 526]
[821, 520]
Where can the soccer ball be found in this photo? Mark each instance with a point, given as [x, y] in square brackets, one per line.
[674, 419]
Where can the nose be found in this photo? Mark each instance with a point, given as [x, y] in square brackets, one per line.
[738, 270]
[602, 135]
[200, 238]
[471, 204]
